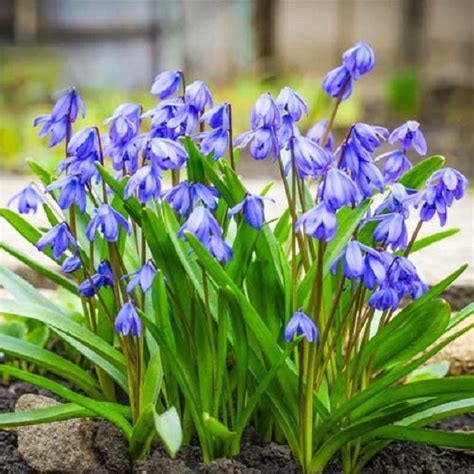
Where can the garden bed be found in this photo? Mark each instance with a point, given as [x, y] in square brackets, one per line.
[255, 457]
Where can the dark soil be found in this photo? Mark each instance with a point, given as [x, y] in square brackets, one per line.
[254, 458]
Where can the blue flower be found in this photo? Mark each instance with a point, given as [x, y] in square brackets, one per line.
[27, 199]
[218, 116]
[368, 178]
[319, 222]
[384, 298]
[72, 192]
[147, 180]
[163, 112]
[103, 277]
[143, 276]
[166, 154]
[287, 130]
[71, 264]
[338, 81]
[315, 133]
[392, 230]
[399, 200]
[369, 136]
[219, 249]
[409, 135]
[252, 206]
[359, 59]
[85, 168]
[127, 321]
[64, 113]
[166, 83]
[265, 112]
[107, 220]
[301, 325]
[338, 189]
[202, 224]
[124, 154]
[352, 260]
[185, 195]
[263, 142]
[198, 96]
[186, 117]
[292, 103]
[124, 123]
[84, 143]
[59, 237]
[310, 158]
[215, 142]
[395, 164]
[375, 270]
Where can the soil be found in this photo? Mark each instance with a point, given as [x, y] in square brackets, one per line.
[254, 458]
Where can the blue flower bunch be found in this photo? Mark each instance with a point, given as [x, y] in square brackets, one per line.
[208, 317]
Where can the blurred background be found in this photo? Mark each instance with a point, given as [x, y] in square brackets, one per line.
[112, 49]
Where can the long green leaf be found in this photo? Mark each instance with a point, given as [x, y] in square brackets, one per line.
[168, 427]
[143, 433]
[417, 176]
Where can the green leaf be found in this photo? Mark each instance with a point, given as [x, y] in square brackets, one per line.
[14, 329]
[152, 382]
[143, 433]
[50, 361]
[461, 316]
[168, 427]
[431, 239]
[216, 428]
[40, 171]
[65, 411]
[436, 370]
[417, 176]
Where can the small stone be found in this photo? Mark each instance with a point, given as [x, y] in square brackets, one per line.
[61, 445]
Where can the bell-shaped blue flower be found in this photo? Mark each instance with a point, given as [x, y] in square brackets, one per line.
[215, 142]
[147, 181]
[71, 264]
[263, 143]
[369, 136]
[166, 83]
[316, 132]
[368, 178]
[163, 112]
[265, 112]
[27, 200]
[395, 164]
[253, 210]
[124, 123]
[338, 189]
[310, 159]
[219, 249]
[359, 60]
[352, 260]
[375, 270]
[202, 224]
[218, 116]
[186, 118]
[384, 298]
[143, 277]
[392, 230]
[107, 220]
[185, 195]
[292, 103]
[301, 325]
[167, 154]
[59, 237]
[409, 135]
[197, 95]
[103, 277]
[319, 222]
[84, 143]
[72, 192]
[338, 81]
[127, 321]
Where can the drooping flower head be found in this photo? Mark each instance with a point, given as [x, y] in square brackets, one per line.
[409, 135]
[319, 222]
[338, 189]
[359, 60]
[28, 200]
[215, 142]
[84, 143]
[310, 159]
[301, 325]
[252, 207]
[338, 81]
[292, 103]
[185, 196]
[198, 96]
[71, 264]
[147, 181]
[72, 192]
[265, 112]
[104, 277]
[124, 123]
[263, 143]
[165, 153]
[395, 165]
[370, 137]
[143, 277]
[127, 321]
[166, 83]
[392, 230]
[108, 221]
[218, 116]
[59, 238]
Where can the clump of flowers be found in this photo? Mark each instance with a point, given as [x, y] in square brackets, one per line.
[199, 309]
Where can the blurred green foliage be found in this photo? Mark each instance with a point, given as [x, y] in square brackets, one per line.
[403, 92]
[29, 80]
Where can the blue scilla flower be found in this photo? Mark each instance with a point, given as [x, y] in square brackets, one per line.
[163, 112]
[202, 224]
[351, 155]
[395, 164]
[85, 168]
[124, 155]
[265, 112]
[27, 200]
[166, 154]
[185, 195]
[292, 103]
[166, 83]
[127, 321]
[73, 191]
[338, 189]
[84, 143]
[71, 264]
[368, 178]
[316, 132]
[409, 135]
[124, 123]
[375, 268]
[263, 142]
[403, 277]
[215, 142]
[369, 137]
[65, 112]
[384, 298]
[218, 116]
[392, 230]
[301, 325]
[59, 237]
[338, 81]
[219, 249]
[310, 159]
[143, 277]
[399, 200]
[197, 95]
[147, 181]
[287, 130]
[319, 222]
[104, 277]
[107, 220]
[352, 260]
[185, 119]
[252, 207]
[359, 60]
